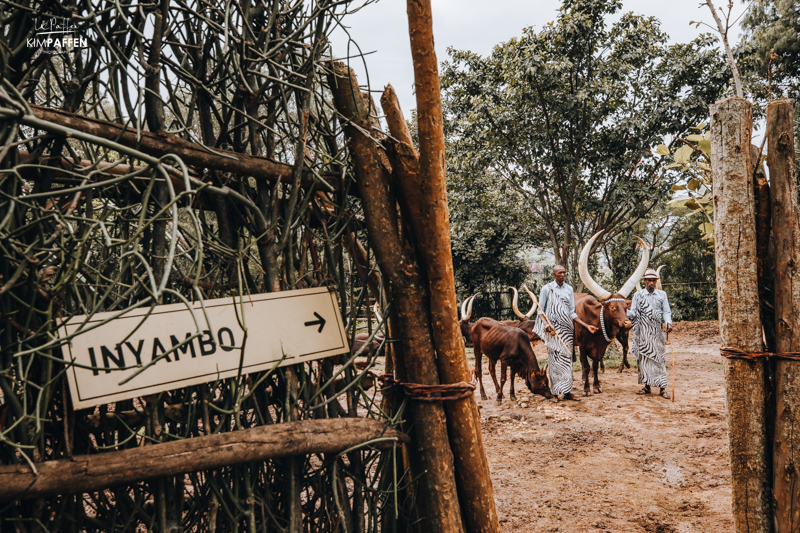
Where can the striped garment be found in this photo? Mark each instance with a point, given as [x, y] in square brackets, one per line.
[559, 359]
[648, 342]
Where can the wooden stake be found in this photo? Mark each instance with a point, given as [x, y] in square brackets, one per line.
[88, 473]
[786, 235]
[160, 144]
[672, 349]
[740, 327]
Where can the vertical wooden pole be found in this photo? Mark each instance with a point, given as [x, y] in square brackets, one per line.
[740, 323]
[426, 201]
[433, 233]
[438, 499]
[786, 224]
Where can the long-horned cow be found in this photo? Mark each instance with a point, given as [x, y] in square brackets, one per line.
[464, 323]
[607, 312]
[525, 324]
[511, 346]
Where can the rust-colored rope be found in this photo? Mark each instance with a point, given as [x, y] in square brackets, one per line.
[425, 393]
[735, 353]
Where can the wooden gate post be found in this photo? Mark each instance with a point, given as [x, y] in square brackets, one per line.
[739, 319]
[786, 234]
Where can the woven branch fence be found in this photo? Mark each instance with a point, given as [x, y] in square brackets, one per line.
[178, 151]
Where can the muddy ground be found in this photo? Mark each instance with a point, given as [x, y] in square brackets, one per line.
[616, 462]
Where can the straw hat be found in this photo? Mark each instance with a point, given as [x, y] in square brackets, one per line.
[650, 274]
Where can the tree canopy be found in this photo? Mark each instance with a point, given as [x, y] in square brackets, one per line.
[567, 116]
[773, 25]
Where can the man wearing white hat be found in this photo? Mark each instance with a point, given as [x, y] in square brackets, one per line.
[648, 309]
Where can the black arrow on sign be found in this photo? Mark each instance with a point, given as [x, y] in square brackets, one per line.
[321, 322]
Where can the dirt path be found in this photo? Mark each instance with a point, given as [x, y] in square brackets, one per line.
[617, 462]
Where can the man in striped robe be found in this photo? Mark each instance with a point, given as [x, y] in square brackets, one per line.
[557, 302]
[648, 308]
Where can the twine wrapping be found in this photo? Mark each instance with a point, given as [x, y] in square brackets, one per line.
[425, 393]
[735, 353]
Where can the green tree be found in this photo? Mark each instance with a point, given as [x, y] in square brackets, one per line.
[489, 228]
[772, 25]
[689, 275]
[567, 116]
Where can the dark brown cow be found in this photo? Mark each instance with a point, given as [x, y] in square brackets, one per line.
[370, 350]
[622, 337]
[512, 347]
[615, 319]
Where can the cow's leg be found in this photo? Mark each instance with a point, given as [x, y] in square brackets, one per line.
[503, 373]
[595, 365]
[623, 341]
[497, 388]
[511, 394]
[478, 370]
[585, 374]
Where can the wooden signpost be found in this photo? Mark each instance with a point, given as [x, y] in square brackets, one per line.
[142, 352]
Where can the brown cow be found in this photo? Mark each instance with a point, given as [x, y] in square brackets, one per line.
[464, 323]
[613, 306]
[525, 324]
[511, 346]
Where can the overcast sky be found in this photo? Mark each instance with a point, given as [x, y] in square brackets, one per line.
[477, 25]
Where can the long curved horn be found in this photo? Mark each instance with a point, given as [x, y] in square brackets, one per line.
[469, 307]
[464, 307]
[658, 281]
[514, 304]
[638, 273]
[529, 314]
[377, 314]
[583, 271]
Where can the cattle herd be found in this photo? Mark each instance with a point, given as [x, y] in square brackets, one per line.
[511, 341]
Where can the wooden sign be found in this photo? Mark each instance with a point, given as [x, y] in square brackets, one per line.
[174, 346]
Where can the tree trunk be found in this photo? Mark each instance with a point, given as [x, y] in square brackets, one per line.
[740, 323]
[786, 221]
[438, 500]
[425, 190]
